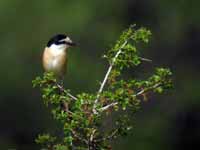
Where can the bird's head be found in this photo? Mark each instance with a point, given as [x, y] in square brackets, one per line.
[61, 41]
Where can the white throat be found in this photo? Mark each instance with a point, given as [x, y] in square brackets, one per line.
[58, 49]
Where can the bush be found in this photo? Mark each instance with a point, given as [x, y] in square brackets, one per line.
[82, 116]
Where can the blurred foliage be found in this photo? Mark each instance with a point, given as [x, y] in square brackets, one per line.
[26, 27]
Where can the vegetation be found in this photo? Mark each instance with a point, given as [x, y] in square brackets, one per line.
[84, 114]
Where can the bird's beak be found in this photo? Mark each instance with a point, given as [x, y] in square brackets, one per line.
[71, 44]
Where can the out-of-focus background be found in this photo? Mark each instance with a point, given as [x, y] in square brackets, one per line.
[168, 122]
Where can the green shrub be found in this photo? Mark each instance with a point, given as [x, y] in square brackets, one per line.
[82, 116]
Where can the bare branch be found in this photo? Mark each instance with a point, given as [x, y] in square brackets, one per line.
[108, 106]
[145, 59]
[107, 75]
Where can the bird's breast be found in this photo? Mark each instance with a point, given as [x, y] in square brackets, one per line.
[55, 61]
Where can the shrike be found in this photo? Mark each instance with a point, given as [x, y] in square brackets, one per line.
[55, 54]
[55, 58]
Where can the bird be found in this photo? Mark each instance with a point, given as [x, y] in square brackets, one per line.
[55, 54]
[55, 59]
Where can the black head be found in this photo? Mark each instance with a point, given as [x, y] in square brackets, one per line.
[60, 39]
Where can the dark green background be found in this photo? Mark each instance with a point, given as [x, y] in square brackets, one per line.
[168, 122]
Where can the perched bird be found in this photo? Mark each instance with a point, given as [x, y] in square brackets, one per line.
[55, 58]
[55, 54]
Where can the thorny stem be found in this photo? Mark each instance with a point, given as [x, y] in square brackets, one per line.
[106, 77]
[137, 94]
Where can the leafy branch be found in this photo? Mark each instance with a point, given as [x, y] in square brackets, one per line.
[82, 115]
[135, 95]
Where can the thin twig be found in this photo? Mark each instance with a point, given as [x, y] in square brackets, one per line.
[63, 90]
[107, 75]
[108, 106]
[92, 135]
[91, 140]
[145, 59]
[70, 95]
[109, 137]
[137, 94]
